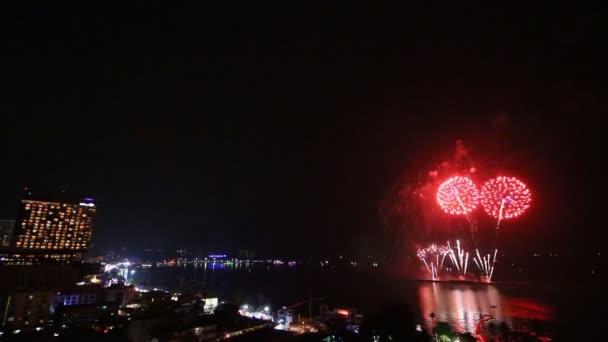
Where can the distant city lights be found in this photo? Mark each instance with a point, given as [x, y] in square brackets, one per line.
[217, 256]
[265, 314]
[343, 312]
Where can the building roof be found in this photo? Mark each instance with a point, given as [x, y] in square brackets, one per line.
[59, 198]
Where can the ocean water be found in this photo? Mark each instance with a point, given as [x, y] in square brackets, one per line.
[557, 304]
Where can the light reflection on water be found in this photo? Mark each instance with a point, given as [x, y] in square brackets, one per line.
[461, 305]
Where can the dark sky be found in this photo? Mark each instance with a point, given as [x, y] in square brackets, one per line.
[280, 128]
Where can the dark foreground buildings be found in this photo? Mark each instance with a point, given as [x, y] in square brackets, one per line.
[6, 232]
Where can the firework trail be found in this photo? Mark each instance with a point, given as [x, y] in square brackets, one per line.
[433, 257]
[486, 263]
[444, 251]
[421, 254]
[505, 198]
[459, 196]
[459, 258]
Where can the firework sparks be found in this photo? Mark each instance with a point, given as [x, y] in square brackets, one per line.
[433, 258]
[486, 263]
[505, 198]
[444, 251]
[459, 258]
[421, 254]
[459, 196]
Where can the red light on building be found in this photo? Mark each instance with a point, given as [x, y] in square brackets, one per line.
[343, 312]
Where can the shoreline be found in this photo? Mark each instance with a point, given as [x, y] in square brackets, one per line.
[476, 282]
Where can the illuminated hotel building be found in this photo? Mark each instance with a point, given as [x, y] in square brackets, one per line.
[54, 227]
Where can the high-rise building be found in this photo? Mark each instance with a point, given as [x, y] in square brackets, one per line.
[6, 232]
[57, 225]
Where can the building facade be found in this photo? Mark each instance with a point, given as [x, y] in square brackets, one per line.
[58, 227]
[77, 298]
[119, 294]
[25, 308]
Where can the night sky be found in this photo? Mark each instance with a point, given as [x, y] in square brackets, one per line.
[280, 129]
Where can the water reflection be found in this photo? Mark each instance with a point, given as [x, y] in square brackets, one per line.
[461, 305]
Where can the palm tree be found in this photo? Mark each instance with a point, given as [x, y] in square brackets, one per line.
[444, 331]
[503, 330]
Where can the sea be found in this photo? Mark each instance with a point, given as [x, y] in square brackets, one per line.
[557, 305]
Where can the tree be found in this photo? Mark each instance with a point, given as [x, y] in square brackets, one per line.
[443, 331]
[504, 330]
[492, 330]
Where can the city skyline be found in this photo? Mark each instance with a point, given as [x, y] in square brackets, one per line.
[290, 171]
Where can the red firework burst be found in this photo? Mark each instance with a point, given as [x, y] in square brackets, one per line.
[505, 197]
[458, 196]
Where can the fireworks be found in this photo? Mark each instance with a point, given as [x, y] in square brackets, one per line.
[458, 196]
[485, 264]
[432, 257]
[505, 198]
[444, 251]
[501, 198]
[460, 258]
[422, 255]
